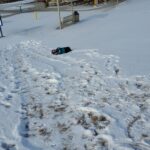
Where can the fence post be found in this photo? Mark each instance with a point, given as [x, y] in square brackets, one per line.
[58, 8]
[20, 8]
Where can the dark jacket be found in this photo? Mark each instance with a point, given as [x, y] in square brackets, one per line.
[61, 50]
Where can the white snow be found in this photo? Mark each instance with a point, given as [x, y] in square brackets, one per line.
[15, 4]
[97, 97]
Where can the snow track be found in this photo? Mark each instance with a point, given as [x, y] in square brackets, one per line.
[8, 103]
[21, 84]
[78, 100]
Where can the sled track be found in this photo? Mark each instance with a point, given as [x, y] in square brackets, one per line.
[22, 83]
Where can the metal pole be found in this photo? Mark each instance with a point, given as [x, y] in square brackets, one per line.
[20, 9]
[1, 32]
[1, 22]
[59, 14]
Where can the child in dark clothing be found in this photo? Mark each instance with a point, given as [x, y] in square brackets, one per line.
[61, 50]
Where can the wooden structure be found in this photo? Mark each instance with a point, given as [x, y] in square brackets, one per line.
[74, 2]
[70, 19]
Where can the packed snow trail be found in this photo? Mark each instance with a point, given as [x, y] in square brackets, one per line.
[24, 89]
[79, 100]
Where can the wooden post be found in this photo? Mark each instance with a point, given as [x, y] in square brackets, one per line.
[71, 6]
[46, 3]
[95, 2]
[59, 14]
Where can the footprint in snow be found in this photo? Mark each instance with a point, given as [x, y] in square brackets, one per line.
[7, 146]
[8, 97]
[2, 89]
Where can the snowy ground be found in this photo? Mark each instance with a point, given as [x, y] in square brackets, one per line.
[122, 31]
[82, 100]
[14, 4]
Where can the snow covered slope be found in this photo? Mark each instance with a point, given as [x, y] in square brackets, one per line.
[122, 31]
[81, 100]
[73, 101]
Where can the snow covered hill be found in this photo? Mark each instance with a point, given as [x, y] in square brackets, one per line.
[82, 100]
[73, 101]
[122, 31]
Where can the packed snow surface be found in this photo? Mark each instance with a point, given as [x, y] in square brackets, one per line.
[82, 100]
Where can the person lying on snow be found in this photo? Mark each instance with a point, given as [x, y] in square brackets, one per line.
[61, 50]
